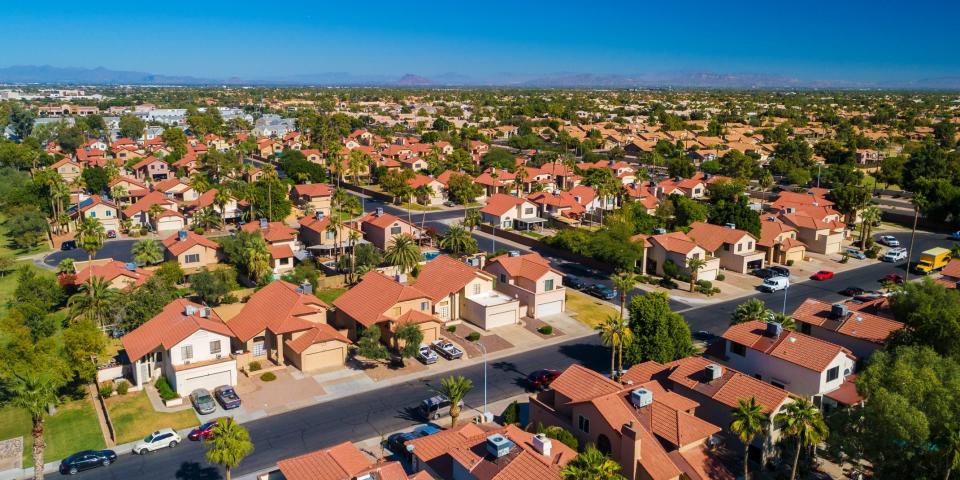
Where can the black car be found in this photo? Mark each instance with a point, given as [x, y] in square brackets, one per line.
[86, 460]
[764, 273]
[852, 291]
[781, 271]
[227, 397]
[68, 245]
[574, 282]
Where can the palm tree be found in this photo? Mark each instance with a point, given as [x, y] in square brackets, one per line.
[751, 310]
[624, 282]
[221, 198]
[694, 264]
[455, 388]
[422, 193]
[90, 236]
[258, 261]
[783, 319]
[952, 450]
[591, 464]
[803, 421]
[868, 217]
[614, 332]
[147, 252]
[354, 238]
[748, 422]
[403, 252]
[471, 218]
[228, 444]
[458, 240]
[117, 193]
[34, 392]
[154, 211]
[335, 226]
[93, 301]
[206, 218]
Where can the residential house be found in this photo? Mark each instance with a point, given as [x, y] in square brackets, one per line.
[118, 275]
[317, 235]
[386, 303]
[458, 290]
[694, 188]
[317, 195]
[151, 168]
[380, 228]
[506, 212]
[101, 210]
[177, 189]
[801, 364]
[437, 190]
[186, 343]
[678, 248]
[230, 210]
[735, 248]
[285, 323]
[779, 242]
[856, 330]
[479, 452]
[820, 234]
[530, 279]
[69, 170]
[341, 462]
[140, 214]
[191, 251]
[282, 241]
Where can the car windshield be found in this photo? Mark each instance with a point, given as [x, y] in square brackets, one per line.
[148, 438]
[205, 398]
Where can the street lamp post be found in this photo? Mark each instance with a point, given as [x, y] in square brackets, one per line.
[486, 414]
[783, 311]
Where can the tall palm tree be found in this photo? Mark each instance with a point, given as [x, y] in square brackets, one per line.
[591, 464]
[455, 388]
[694, 264]
[458, 240]
[93, 301]
[34, 392]
[221, 198]
[624, 282]
[753, 309]
[335, 225]
[206, 218]
[803, 421]
[147, 252]
[354, 238]
[403, 252]
[257, 259]
[868, 217]
[154, 211]
[749, 421]
[90, 236]
[228, 444]
[118, 193]
[471, 218]
[614, 332]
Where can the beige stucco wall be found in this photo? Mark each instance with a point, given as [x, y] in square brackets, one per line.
[208, 256]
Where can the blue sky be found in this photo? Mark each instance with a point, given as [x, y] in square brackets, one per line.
[837, 40]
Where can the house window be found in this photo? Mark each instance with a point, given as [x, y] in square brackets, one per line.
[186, 352]
[395, 230]
[778, 385]
[506, 224]
[696, 256]
[750, 245]
[833, 374]
[548, 285]
[109, 213]
[528, 211]
[726, 247]
[476, 288]
[424, 306]
[284, 261]
[739, 247]
[503, 278]
[93, 214]
[215, 347]
[738, 349]
[331, 235]
[192, 258]
[395, 311]
[583, 424]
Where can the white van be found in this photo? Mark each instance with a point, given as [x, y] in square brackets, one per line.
[895, 255]
[774, 284]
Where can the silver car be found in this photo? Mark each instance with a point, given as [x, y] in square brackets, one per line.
[427, 356]
[203, 401]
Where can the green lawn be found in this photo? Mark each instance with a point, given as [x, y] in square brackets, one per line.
[870, 181]
[419, 208]
[74, 427]
[587, 309]
[134, 417]
[7, 249]
[8, 283]
[329, 294]
[532, 234]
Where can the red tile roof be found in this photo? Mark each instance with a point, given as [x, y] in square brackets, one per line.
[340, 462]
[529, 265]
[320, 333]
[857, 324]
[676, 242]
[368, 301]
[803, 350]
[176, 246]
[170, 327]
[278, 307]
[952, 269]
[582, 384]
[732, 386]
[444, 275]
[500, 203]
[313, 190]
[711, 237]
[110, 271]
[275, 231]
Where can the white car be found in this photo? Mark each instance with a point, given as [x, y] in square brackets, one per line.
[890, 241]
[163, 438]
[427, 356]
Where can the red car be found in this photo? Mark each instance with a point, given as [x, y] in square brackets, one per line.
[822, 275]
[892, 278]
[541, 379]
[202, 432]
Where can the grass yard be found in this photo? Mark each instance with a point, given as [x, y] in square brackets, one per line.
[8, 283]
[329, 294]
[7, 249]
[587, 309]
[532, 234]
[419, 208]
[134, 417]
[73, 428]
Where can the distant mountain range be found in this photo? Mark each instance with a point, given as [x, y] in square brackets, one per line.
[46, 74]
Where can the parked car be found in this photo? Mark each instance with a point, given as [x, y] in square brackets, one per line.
[447, 349]
[227, 397]
[867, 297]
[202, 432]
[781, 271]
[704, 336]
[852, 291]
[449, 203]
[396, 443]
[436, 407]
[541, 379]
[86, 460]
[203, 401]
[164, 438]
[764, 273]
[774, 284]
[854, 253]
[426, 356]
[111, 234]
[895, 255]
[955, 235]
[892, 278]
[601, 291]
[574, 282]
[822, 275]
[68, 245]
[889, 240]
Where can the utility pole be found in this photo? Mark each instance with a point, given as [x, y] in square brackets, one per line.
[913, 235]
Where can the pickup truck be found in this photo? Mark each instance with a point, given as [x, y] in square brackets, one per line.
[894, 255]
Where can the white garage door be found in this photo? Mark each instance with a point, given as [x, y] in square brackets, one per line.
[209, 381]
[551, 308]
[500, 319]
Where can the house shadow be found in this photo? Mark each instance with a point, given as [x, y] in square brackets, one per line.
[592, 356]
[195, 471]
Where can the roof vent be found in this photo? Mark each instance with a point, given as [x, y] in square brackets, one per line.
[189, 310]
[181, 235]
[204, 312]
[838, 311]
[130, 266]
[542, 444]
[641, 397]
[774, 329]
[714, 371]
[318, 215]
[498, 445]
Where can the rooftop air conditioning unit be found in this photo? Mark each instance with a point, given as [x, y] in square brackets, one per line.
[838, 311]
[774, 329]
[498, 446]
[641, 397]
[190, 310]
[714, 371]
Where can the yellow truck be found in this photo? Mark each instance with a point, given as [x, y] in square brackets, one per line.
[932, 260]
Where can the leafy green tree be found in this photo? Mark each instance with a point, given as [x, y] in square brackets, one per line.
[131, 127]
[70, 138]
[931, 313]
[591, 464]
[26, 226]
[500, 159]
[455, 388]
[21, 121]
[366, 257]
[147, 252]
[176, 141]
[737, 212]
[659, 334]
[463, 189]
[212, 285]
[835, 152]
[228, 444]
[803, 422]
[133, 309]
[403, 252]
[408, 338]
[791, 155]
[848, 199]
[369, 345]
[687, 210]
[748, 422]
[681, 167]
[83, 340]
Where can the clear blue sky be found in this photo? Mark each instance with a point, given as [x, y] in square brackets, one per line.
[835, 40]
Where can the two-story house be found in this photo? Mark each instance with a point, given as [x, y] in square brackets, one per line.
[317, 235]
[69, 170]
[380, 228]
[186, 343]
[317, 195]
[779, 242]
[458, 290]
[101, 210]
[532, 280]
[801, 364]
[843, 324]
[191, 251]
[177, 189]
[735, 248]
[437, 191]
[230, 209]
[282, 241]
[386, 303]
[141, 214]
[677, 248]
[151, 168]
[506, 212]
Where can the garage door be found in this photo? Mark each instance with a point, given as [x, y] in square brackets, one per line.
[325, 359]
[208, 381]
[551, 308]
[429, 334]
[500, 319]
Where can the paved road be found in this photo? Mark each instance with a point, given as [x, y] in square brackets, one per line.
[116, 249]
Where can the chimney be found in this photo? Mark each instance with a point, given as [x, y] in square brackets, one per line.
[774, 329]
[630, 449]
[714, 372]
[182, 235]
[498, 446]
[641, 397]
[838, 311]
[542, 444]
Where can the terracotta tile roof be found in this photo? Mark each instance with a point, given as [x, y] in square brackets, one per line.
[676, 242]
[812, 197]
[320, 333]
[275, 231]
[644, 372]
[149, 200]
[487, 179]
[444, 275]
[340, 462]
[857, 324]
[732, 386]
[170, 327]
[420, 180]
[847, 393]
[169, 184]
[952, 269]
[277, 307]
[803, 350]
[110, 271]
[175, 246]
[95, 200]
[581, 384]
[313, 190]
[383, 221]
[640, 237]
[501, 203]
[444, 177]
[697, 464]
[368, 301]
[529, 265]
[712, 237]
[146, 161]
[280, 251]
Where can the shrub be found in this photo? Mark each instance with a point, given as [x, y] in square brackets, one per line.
[198, 230]
[873, 252]
[666, 282]
[123, 387]
[684, 277]
[164, 389]
[706, 284]
[229, 298]
[511, 416]
[268, 377]
[562, 436]
[106, 390]
[721, 277]
[473, 336]
[670, 269]
[546, 330]
[254, 366]
[789, 263]
[452, 328]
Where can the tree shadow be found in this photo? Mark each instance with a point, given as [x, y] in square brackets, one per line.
[195, 471]
[592, 356]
